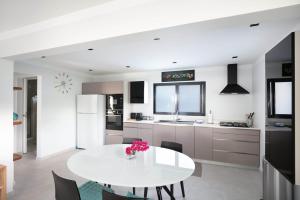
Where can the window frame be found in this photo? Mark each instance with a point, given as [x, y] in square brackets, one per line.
[271, 98]
[202, 98]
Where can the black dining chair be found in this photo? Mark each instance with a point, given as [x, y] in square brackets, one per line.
[127, 140]
[176, 147]
[66, 189]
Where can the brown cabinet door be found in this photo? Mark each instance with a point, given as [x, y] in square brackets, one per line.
[130, 132]
[113, 139]
[163, 133]
[146, 135]
[185, 135]
[203, 143]
[114, 87]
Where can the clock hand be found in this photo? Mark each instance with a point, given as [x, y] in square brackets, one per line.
[58, 86]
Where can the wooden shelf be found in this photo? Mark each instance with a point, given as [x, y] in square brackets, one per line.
[17, 122]
[17, 88]
[17, 157]
[3, 182]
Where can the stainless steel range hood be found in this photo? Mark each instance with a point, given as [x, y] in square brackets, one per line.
[232, 87]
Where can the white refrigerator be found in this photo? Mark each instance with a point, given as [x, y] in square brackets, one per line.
[90, 121]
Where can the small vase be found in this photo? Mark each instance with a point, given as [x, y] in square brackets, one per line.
[130, 156]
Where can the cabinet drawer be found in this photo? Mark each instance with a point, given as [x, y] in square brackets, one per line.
[237, 131]
[236, 146]
[133, 125]
[236, 158]
[145, 126]
[236, 137]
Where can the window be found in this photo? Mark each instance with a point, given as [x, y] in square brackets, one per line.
[182, 98]
[279, 95]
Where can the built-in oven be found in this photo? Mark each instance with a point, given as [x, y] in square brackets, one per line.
[114, 111]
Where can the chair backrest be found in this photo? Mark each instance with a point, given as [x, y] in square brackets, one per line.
[111, 196]
[65, 189]
[171, 145]
[130, 140]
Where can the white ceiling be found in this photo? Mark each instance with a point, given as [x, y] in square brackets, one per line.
[194, 45]
[16, 13]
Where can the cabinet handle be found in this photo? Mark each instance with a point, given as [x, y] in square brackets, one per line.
[221, 139]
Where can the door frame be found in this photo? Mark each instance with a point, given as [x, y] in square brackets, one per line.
[38, 122]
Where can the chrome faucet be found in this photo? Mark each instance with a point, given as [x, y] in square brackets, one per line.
[176, 116]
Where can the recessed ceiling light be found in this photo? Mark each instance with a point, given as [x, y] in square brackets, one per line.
[90, 70]
[90, 49]
[233, 57]
[156, 38]
[127, 66]
[253, 25]
[43, 56]
[174, 62]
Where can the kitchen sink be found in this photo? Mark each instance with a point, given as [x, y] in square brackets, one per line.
[175, 122]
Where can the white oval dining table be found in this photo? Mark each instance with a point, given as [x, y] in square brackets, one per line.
[156, 167]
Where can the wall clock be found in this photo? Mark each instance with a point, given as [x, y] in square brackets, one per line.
[63, 83]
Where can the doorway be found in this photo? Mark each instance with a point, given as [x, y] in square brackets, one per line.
[31, 114]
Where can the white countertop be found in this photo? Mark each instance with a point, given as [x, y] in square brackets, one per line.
[195, 124]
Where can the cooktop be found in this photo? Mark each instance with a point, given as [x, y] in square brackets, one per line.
[234, 124]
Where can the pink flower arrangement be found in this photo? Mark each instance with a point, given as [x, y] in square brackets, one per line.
[137, 146]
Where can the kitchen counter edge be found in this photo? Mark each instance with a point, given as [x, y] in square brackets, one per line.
[195, 124]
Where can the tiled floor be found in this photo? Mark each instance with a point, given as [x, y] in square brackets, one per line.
[33, 181]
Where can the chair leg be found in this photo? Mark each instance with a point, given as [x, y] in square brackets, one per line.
[145, 192]
[133, 190]
[182, 188]
[172, 188]
[158, 190]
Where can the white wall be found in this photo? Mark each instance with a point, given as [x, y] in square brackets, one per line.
[6, 119]
[57, 130]
[259, 107]
[224, 107]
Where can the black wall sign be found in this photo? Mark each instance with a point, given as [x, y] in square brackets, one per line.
[185, 75]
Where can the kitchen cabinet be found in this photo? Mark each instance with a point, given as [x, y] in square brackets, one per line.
[163, 133]
[138, 91]
[185, 135]
[139, 130]
[130, 130]
[237, 146]
[145, 131]
[113, 87]
[113, 139]
[228, 145]
[203, 143]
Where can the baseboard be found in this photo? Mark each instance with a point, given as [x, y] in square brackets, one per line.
[56, 154]
[225, 164]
